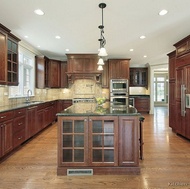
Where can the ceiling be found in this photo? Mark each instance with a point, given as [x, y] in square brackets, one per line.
[77, 21]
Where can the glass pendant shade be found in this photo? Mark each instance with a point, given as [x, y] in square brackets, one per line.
[100, 61]
[100, 68]
[102, 52]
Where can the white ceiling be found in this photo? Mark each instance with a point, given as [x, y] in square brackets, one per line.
[77, 21]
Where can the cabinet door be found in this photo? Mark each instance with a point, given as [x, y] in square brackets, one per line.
[64, 78]
[128, 141]
[6, 137]
[172, 112]
[73, 141]
[54, 74]
[3, 57]
[142, 104]
[12, 62]
[31, 127]
[105, 77]
[103, 141]
[124, 69]
[114, 69]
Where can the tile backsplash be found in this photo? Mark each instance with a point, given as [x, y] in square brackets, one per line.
[83, 88]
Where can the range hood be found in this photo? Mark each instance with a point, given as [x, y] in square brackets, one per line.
[97, 77]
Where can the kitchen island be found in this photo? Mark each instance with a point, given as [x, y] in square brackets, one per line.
[96, 139]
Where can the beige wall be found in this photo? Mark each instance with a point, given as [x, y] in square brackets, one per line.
[80, 89]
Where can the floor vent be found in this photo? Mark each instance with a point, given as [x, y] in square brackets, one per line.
[78, 172]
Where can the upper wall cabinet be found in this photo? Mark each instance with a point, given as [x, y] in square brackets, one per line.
[118, 68]
[8, 57]
[48, 73]
[138, 77]
[183, 46]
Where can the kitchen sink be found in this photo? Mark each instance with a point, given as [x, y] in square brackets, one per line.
[32, 102]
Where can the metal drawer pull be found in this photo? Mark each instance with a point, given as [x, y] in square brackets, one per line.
[3, 117]
[20, 123]
[19, 138]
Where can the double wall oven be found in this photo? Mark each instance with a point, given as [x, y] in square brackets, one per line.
[119, 92]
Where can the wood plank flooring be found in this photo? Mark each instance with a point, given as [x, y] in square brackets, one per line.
[166, 163]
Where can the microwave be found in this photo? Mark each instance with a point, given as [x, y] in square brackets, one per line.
[122, 101]
[119, 85]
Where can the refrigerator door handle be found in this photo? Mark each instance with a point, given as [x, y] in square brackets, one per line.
[183, 100]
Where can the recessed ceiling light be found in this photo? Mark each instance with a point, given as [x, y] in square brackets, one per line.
[38, 46]
[39, 12]
[26, 36]
[67, 50]
[163, 12]
[57, 37]
[142, 37]
[131, 50]
[144, 56]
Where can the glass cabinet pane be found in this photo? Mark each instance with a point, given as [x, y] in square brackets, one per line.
[97, 126]
[67, 155]
[108, 141]
[108, 155]
[108, 126]
[67, 141]
[67, 126]
[79, 141]
[79, 155]
[97, 156]
[79, 126]
[97, 141]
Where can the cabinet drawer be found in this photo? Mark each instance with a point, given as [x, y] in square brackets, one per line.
[19, 124]
[6, 116]
[19, 138]
[20, 112]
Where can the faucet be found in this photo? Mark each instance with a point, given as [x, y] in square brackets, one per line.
[29, 92]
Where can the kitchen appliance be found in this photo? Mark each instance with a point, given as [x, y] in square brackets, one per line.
[88, 100]
[119, 99]
[119, 85]
[132, 101]
[119, 95]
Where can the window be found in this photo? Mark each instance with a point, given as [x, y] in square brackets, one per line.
[160, 88]
[26, 74]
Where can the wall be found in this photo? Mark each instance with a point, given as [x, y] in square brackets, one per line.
[80, 89]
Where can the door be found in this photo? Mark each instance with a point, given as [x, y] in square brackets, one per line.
[103, 141]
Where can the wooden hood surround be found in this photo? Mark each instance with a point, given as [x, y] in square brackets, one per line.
[83, 66]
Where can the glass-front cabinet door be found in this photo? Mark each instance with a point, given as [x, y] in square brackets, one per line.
[73, 141]
[103, 141]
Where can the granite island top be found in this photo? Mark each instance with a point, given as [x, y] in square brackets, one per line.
[93, 109]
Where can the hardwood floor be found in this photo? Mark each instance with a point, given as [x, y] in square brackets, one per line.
[166, 163]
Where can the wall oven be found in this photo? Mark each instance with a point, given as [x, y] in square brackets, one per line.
[119, 100]
[119, 85]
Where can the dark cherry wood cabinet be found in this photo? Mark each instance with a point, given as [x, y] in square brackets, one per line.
[138, 77]
[31, 126]
[64, 78]
[83, 66]
[19, 127]
[179, 74]
[48, 73]
[54, 74]
[142, 104]
[119, 68]
[6, 132]
[128, 141]
[8, 57]
[106, 144]
[63, 104]
[172, 89]
[82, 63]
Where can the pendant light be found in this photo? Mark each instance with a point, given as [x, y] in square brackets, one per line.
[102, 40]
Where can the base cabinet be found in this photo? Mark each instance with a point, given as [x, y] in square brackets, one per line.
[106, 144]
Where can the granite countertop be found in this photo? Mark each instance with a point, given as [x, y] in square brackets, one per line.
[92, 109]
[139, 95]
